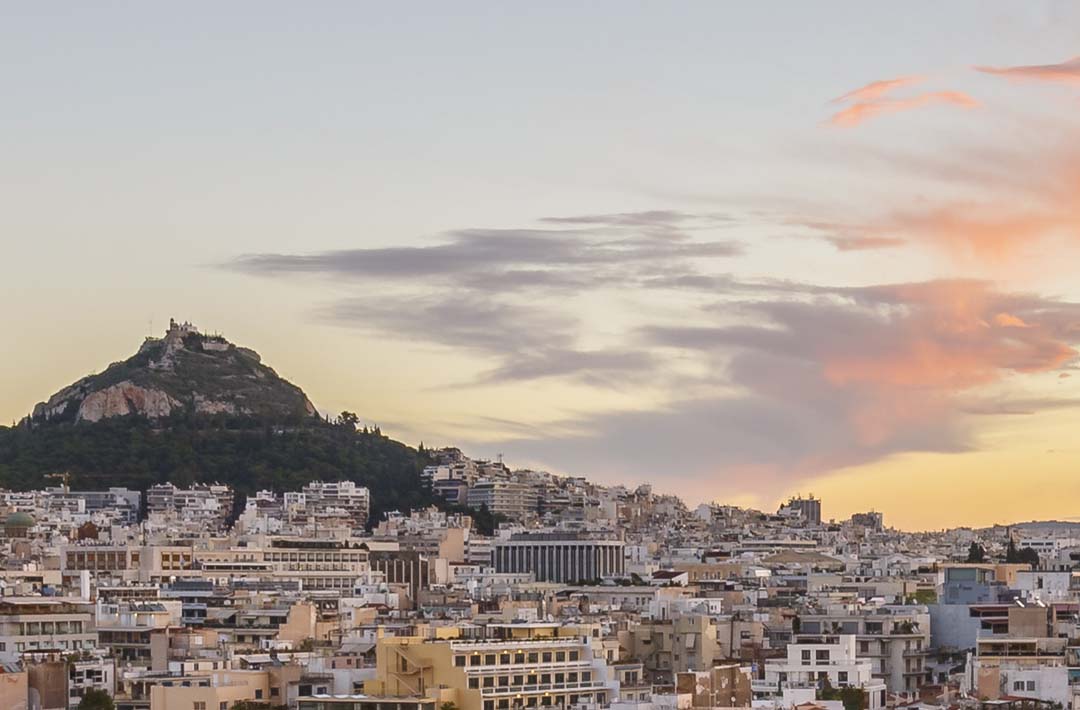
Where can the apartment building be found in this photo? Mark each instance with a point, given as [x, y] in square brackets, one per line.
[895, 640]
[813, 659]
[672, 646]
[128, 629]
[353, 500]
[513, 499]
[32, 627]
[499, 667]
[209, 504]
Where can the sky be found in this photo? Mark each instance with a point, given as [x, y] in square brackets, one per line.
[736, 251]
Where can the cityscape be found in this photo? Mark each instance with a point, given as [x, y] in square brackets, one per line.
[578, 595]
[476, 355]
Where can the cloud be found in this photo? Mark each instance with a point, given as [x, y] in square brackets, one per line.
[975, 202]
[1067, 72]
[769, 381]
[524, 253]
[877, 89]
[824, 378]
[491, 292]
[857, 113]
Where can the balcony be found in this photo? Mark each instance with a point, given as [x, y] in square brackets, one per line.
[586, 685]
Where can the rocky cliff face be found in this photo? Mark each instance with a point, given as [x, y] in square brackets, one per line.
[184, 371]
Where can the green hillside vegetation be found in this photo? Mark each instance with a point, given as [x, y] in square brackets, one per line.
[241, 451]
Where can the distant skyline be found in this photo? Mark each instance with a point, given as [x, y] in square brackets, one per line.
[738, 252]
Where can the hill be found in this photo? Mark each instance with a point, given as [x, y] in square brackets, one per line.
[185, 371]
[190, 408]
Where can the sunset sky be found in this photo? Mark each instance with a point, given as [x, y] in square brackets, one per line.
[738, 251]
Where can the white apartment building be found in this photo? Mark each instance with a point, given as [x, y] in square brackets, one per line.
[510, 498]
[353, 500]
[812, 659]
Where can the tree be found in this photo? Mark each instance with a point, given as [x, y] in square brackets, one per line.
[852, 698]
[349, 420]
[1026, 556]
[976, 553]
[96, 699]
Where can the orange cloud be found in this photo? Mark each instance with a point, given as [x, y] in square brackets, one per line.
[1067, 72]
[1014, 201]
[877, 89]
[857, 113]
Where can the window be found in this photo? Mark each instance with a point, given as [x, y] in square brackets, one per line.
[519, 657]
[489, 659]
[504, 658]
[489, 681]
[474, 660]
[547, 656]
[573, 655]
[534, 657]
[841, 676]
[806, 657]
[474, 682]
[822, 656]
[560, 656]
[459, 661]
[223, 705]
[198, 705]
[545, 678]
[1018, 685]
[258, 693]
[1031, 685]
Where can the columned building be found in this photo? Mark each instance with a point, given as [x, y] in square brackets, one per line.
[560, 556]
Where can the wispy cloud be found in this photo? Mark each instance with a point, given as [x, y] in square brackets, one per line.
[524, 252]
[505, 295]
[1067, 72]
[877, 89]
[864, 110]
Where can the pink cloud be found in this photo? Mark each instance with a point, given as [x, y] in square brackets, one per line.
[877, 89]
[1067, 72]
[856, 113]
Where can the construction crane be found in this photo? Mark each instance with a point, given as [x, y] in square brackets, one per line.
[64, 478]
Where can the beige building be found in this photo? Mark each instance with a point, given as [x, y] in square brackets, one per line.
[40, 626]
[217, 690]
[672, 646]
[528, 665]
